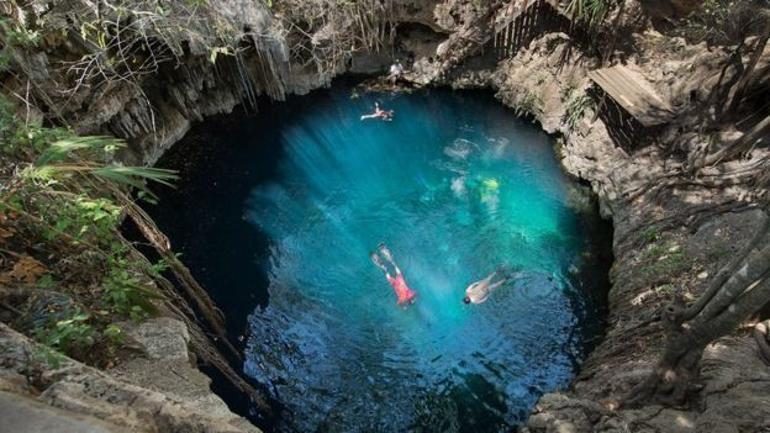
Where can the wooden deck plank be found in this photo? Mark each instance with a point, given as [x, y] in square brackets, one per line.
[634, 93]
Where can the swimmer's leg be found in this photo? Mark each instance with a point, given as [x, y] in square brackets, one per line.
[378, 262]
[508, 272]
[385, 251]
[488, 279]
[388, 256]
[506, 279]
[497, 284]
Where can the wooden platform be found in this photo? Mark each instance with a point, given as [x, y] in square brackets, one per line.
[634, 93]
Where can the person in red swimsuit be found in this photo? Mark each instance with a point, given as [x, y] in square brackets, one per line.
[404, 294]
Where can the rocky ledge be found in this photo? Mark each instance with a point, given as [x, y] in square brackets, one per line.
[158, 389]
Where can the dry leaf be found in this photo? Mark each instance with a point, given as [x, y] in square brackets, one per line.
[27, 270]
[5, 233]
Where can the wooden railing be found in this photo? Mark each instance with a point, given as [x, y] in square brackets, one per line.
[525, 20]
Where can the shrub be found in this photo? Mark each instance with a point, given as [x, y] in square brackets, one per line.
[60, 211]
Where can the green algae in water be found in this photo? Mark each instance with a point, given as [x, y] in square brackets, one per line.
[457, 187]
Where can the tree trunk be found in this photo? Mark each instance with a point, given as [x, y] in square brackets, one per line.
[726, 272]
[742, 279]
[759, 131]
[745, 80]
[719, 91]
[671, 380]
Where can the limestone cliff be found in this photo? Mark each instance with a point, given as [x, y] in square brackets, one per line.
[159, 390]
[669, 237]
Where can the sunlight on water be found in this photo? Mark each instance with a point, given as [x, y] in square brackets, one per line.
[457, 188]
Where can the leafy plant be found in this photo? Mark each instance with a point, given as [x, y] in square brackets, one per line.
[577, 104]
[723, 22]
[529, 103]
[123, 292]
[650, 234]
[589, 12]
[68, 335]
[16, 33]
[666, 290]
[60, 211]
[664, 259]
[76, 155]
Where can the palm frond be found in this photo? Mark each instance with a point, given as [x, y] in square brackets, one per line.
[66, 157]
[62, 150]
[124, 175]
[591, 12]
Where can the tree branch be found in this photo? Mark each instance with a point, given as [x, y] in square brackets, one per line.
[724, 274]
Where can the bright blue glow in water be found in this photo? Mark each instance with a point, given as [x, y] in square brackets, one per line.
[456, 186]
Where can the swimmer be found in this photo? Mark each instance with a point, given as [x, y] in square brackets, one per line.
[404, 294]
[479, 291]
[379, 113]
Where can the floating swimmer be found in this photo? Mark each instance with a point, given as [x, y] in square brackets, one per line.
[379, 113]
[479, 291]
[404, 294]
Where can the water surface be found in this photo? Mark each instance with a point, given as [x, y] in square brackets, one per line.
[280, 211]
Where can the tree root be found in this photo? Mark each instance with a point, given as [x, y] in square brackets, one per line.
[203, 303]
[205, 347]
[202, 345]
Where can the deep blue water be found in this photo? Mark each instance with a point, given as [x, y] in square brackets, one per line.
[277, 214]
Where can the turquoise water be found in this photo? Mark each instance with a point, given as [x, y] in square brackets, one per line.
[457, 187]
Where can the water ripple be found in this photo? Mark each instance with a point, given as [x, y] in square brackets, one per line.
[454, 203]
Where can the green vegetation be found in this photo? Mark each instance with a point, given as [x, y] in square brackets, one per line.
[528, 104]
[577, 105]
[710, 22]
[666, 290]
[588, 12]
[650, 234]
[63, 259]
[326, 33]
[662, 260]
[123, 41]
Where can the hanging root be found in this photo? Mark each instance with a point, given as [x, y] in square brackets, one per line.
[201, 344]
[194, 291]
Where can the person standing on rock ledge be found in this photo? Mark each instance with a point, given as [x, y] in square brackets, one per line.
[396, 71]
[404, 294]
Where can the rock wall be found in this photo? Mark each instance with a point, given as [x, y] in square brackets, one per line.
[158, 390]
[154, 109]
[670, 237]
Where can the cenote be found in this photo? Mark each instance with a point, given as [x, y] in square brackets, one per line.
[276, 214]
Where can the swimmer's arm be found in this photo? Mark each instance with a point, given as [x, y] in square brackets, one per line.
[471, 287]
